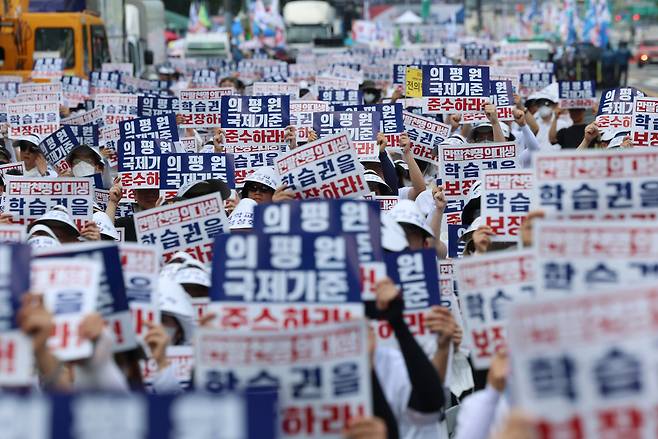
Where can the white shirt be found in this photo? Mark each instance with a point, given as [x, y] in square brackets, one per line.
[544, 129]
[392, 373]
[480, 414]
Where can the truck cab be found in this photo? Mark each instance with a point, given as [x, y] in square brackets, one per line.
[78, 37]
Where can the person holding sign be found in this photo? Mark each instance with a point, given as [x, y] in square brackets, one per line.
[32, 157]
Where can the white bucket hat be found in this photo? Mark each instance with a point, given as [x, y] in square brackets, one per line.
[406, 212]
[192, 275]
[56, 214]
[393, 237]
[105, 225]
[265, 175]
[176, 302]
[372, 177]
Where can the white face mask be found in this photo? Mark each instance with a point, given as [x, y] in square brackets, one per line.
[171, 333]
[544, 111]
[83, 169]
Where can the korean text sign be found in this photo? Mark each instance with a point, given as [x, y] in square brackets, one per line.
[57, 146]
[487, 286]
[70, 291]
[326, 168]
[255, 120]
[592, 184]
[577, 94]
[455, 89]
[502, 96]
[276, 282]
[616, 109]
[141, 269]
[425, 136]
[462, 166]
[391, 122]
[362, 126]
[188, 226]
[199, 108]
[584, 256]
[645, 122]
[29, 198]
[322, 373]
[416, 275]
[583, 364]
[505, 201]
[41, 118]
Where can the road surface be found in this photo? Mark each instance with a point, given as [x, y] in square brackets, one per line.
[645, 78]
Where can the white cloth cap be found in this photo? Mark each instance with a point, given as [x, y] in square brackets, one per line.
[105, 225]
[192, 275]
[393, 236]
[265, 175]
[177, 303]
[406, 212]
[58, 214]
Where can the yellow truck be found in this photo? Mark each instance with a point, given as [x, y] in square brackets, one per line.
[78, 38]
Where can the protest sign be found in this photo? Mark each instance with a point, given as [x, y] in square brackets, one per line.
[278, 282]
[576, 94]
[148, 106]
[12, 233]
[498, 73]
[70, 292]
[124, 68]
[102, 198]
[644, 131]
[155, 127]
[40, 118]
[104, 82]
[117, 107]
[415, 275]
[361, 126]
[8, 90]
[275, 88]
[454, 89]
[141, 269]
[200, 108]
[112, 303]
[341, 96]
[244, 415]
[335, 83]
[334, 354]
[425, 136]
[502, 96]
[130, 84]
[462, 165]
[448, 289]
[16, 363]
[28, 198]
[35, 91]
[387, 203]
[204, 78]
[582, 256]
[188, 226]
[91, 117]
[455, 245]
[488, 285]
[531, 82]
[108, 138]
[177, 170]
[390, 121]
[475, 54]
[75, 90]
[616, 109]
[592, 184]
[334, 217]
[19, 166]
[505, 202]
[188, 144]
[85, 134]
[57, 147]
[583, 364]
[250, 121]
[47, 68]
[139, 163]
[301, 116]
[326, 168]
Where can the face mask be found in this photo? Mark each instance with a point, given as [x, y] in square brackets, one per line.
[369, 98]
[171, 332]
[544, 111]
[83, 169]
[43, 242]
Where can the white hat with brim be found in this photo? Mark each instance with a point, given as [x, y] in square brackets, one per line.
[266, 176]
[472, 202]
[76, 149]
[192, 275]
[393, 237]
[468, 234]
[105, 225]
[243, 215]
[41, 228]
[372, 177]
[57, 214]
[618, 140]
[406, 212]
[608, 135]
